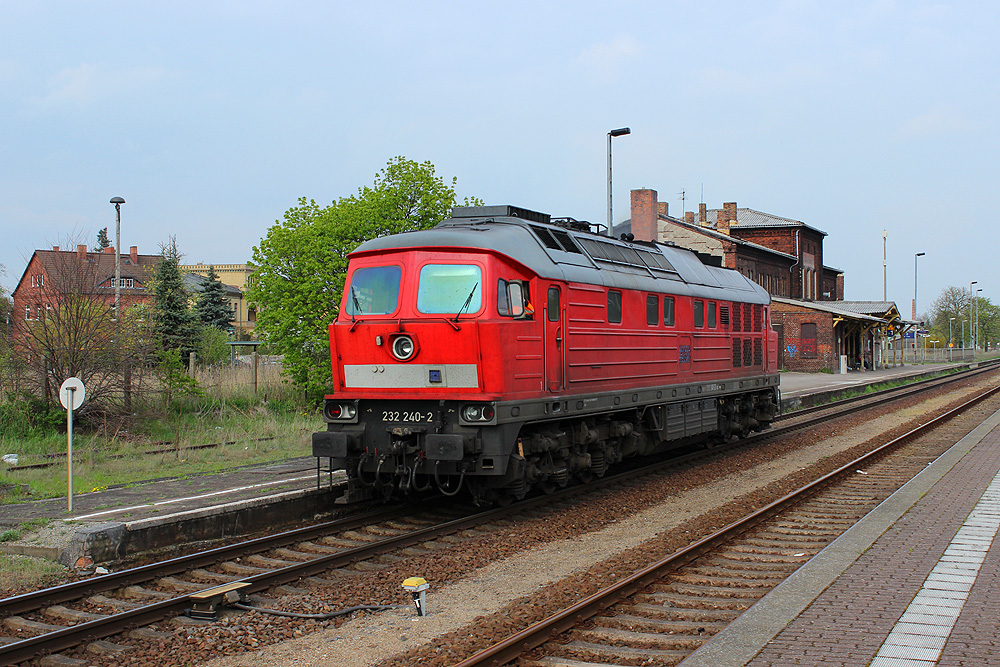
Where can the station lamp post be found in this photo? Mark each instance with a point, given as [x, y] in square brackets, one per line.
[621, 131]
[975, 337]
[972, 297]
[118, 201]
[919, 254]
[884, 235]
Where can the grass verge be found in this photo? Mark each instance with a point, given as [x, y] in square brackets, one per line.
[24, 572]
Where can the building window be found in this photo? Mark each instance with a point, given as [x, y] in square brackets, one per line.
[27, 312]
[808, 342]
[614, 307]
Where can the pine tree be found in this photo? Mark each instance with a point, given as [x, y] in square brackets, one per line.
[213, 307]
[102, 240]
[175, 325]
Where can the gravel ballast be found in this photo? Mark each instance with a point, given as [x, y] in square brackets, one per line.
[510, 568]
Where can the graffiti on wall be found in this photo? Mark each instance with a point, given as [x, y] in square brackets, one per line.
[804, 348]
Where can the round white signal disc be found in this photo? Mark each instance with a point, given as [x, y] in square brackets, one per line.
[72, 393]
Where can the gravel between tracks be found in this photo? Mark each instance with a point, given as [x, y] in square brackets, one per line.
[513, 583]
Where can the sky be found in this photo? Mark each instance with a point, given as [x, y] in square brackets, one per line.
[213, 119]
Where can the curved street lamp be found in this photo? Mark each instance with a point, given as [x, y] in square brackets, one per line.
[118, 201]
[621, 131]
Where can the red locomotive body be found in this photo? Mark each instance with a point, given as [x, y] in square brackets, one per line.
[502, 351]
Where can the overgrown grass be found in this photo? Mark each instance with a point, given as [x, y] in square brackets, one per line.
[247, 429]
[22, 572]
[14, 534]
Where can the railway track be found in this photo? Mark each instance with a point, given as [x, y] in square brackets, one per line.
[85, 612]
[663, 613]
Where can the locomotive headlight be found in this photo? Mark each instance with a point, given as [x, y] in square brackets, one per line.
[403, 348]
[335, 411]
[478, 412]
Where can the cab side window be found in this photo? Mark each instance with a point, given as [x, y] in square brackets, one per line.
[511, 298]
[668, 311]
[652, 310]
[614, 307]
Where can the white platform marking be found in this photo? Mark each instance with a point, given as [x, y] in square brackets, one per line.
[919, 636]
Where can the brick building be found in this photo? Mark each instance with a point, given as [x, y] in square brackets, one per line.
[51, 274]
[816, 327]
[782, 255]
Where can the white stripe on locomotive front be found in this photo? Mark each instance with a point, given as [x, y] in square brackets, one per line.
[392, 376]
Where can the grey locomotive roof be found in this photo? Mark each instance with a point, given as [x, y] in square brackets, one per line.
[533, 242]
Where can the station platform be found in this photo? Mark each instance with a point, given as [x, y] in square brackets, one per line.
[119, 522]
[916, 583]
[805, 389]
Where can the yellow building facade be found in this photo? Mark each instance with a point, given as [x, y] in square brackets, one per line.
[239, 276]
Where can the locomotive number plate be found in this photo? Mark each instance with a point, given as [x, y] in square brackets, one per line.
[416, 416]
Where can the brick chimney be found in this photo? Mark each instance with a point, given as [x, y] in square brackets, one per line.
[55, 248]
[703, 215]
[663, 208]
[644, 210]
[689, 217]
[722, 222]
[133, 252]
[110, 250]
[81, 252]
[730, 209]
[839, 296]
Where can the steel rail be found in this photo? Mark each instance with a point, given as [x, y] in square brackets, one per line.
[66, 638]
[512, 647]
[86, 587]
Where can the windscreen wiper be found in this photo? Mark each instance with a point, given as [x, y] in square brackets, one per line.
[468, 300]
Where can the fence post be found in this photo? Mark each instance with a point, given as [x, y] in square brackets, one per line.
[191, 364]
[255, 372]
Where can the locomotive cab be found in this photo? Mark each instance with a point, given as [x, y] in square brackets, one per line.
[417, 368]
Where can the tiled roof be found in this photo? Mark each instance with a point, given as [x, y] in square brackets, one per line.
[101, 265]
[834, 307]
[626, 226]
[195, 282]
[751, 219]
[878, 308]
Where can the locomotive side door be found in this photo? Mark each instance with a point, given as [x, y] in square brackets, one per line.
[555, 335]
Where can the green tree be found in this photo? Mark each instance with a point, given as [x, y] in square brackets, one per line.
[303, 259]
[174, 323]
[102, 240]
[213, 345]
[989, 323]
[6, 310]
[947, 312]
[213, 306]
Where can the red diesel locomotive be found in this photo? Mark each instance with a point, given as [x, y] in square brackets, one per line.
[503, 351]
